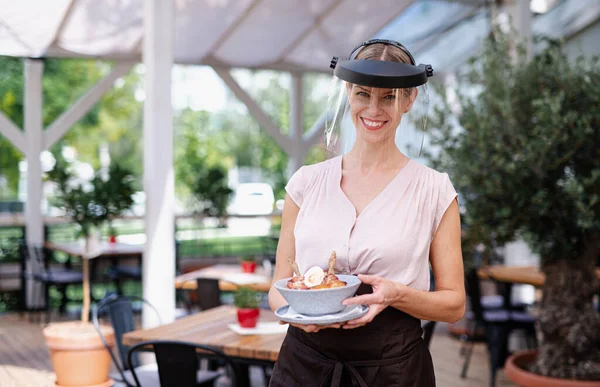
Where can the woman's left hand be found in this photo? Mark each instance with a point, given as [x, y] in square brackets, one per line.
[384, 294]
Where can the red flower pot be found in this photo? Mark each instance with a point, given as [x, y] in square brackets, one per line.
[248, 267]
[112, 239]
[248, 317]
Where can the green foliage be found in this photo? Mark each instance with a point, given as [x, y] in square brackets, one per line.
[524, 154]
[103, 199]
[248, 258]
[200, 168]
[246, 297]
[115, 119]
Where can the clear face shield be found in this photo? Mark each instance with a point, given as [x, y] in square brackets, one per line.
[378, 104]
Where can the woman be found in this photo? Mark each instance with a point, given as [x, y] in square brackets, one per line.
[388, 218]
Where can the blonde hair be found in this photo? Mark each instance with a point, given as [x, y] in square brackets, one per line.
[385, 52]
[382, 51]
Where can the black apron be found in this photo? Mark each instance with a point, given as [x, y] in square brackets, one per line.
[388, 351]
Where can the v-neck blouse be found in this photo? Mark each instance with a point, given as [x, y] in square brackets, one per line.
[391, 237]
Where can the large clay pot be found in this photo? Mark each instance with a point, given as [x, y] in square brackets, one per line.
[515, 371]
[78, 356]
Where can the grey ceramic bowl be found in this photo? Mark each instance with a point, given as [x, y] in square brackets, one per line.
[320, 301]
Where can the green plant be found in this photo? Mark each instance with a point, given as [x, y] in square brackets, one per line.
[524, 155]
[246, 297]
[248, 258]
[90, 204]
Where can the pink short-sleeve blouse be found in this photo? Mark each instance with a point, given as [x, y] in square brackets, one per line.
[392, 235]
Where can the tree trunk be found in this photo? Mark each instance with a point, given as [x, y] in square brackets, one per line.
[568, 324]
[85, 310]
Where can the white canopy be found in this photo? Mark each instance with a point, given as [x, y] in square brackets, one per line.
[285, 35]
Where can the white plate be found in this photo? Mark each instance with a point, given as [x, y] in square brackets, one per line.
[289, 315]
[262, 328]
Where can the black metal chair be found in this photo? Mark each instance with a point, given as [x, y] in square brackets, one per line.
[120, 311]
[208, 293]
[497, 325]
[178, 363]
[36, 266]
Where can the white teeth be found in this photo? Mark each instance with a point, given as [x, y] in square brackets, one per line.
[372, 124]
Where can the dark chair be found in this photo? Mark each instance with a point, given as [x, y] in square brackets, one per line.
[208, 293]
[120, 311]
[497, 325]
[117, 272]
[428, 329]
[178, 363]
[37, 268]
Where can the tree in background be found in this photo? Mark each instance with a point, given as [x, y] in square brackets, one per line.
[115, 119]
[526, 161]
[201, 164]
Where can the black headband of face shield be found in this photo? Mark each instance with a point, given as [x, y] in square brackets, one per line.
[378, 73]
[384, 41]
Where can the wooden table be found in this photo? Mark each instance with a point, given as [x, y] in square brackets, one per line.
[230, 276]
[527, 275]
[108, 249]
[210, 328]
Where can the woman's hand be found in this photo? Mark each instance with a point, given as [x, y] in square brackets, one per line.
[312, 328]
[384, 294]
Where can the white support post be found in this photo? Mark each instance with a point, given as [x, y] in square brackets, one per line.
[63, 123]
[11, 132]
[522, 18]
[34, 223]
[159, 251]
[298, 151]
[259, 115]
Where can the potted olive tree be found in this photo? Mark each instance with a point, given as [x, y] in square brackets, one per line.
[77, 352]
[522, 146]
[247, 302]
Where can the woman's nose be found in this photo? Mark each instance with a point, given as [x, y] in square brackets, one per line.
[374, 105]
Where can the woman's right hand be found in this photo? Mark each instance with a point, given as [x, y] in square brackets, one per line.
[313, 328]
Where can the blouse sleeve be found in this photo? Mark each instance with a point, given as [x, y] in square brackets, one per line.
[446, 196]
[296, 186]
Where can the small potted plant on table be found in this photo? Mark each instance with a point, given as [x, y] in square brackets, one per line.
[248, 264]
[247, 301]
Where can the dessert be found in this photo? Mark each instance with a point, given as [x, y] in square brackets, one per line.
[315, 277]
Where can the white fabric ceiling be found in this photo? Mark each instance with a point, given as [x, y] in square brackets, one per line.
[279, 34]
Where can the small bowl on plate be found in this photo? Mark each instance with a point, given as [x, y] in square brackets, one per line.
[318, 302]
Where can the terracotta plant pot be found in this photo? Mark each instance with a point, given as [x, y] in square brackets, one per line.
[248, 317]
[515, 371]
[78, 355]
[248, 267]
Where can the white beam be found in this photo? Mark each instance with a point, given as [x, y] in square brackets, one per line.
[256, 111]
[34, 223]
[159, 251]
[33, 135]
[62, 124]
[11, 132]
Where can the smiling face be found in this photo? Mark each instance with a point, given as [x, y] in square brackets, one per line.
[376, 112]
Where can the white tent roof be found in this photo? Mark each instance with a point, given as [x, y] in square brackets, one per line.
[278, 34]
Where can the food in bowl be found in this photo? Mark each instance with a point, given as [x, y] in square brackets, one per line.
[315, 277]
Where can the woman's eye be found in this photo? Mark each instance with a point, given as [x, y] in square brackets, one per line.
[390, 96]
[362, 94]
